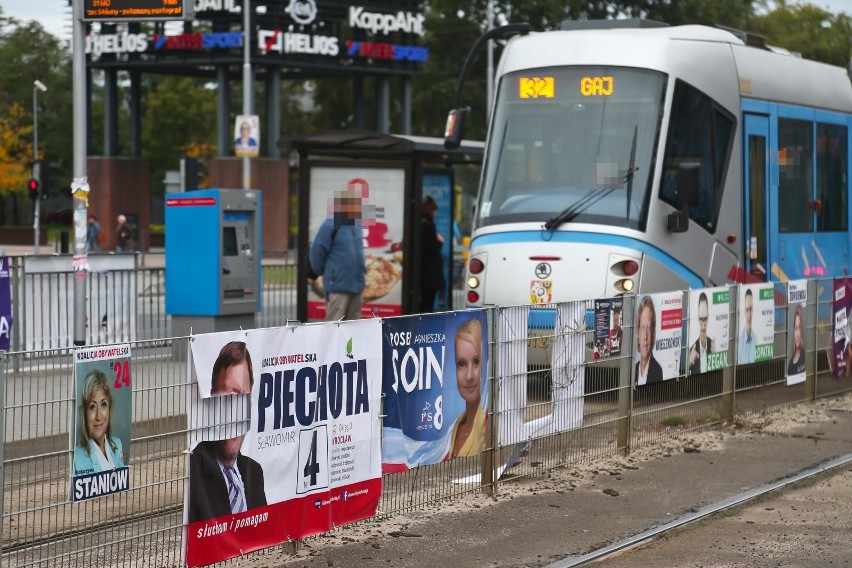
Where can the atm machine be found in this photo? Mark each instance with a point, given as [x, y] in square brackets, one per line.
[213, 260]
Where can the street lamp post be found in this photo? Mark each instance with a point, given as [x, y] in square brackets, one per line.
[37, 86]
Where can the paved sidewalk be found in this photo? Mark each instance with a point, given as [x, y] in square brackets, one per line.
[576, 510]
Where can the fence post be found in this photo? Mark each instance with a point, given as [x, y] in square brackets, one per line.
[811, 354]
[625, 384]
[487, 460]
[2, 440]
[729, 373]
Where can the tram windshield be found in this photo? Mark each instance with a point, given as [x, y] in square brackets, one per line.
[572, 144]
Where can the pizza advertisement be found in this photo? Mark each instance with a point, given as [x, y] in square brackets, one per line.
[383, 226]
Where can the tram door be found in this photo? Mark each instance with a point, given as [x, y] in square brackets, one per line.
[756, 196]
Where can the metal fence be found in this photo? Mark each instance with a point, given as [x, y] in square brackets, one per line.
[125, 299]
[565, 409]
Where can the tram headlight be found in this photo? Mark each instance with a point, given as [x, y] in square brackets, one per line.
[626, 284]
[473, 282]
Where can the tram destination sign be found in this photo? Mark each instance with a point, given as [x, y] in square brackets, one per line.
[136, 10]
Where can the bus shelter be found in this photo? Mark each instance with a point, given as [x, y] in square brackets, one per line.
[394, 174]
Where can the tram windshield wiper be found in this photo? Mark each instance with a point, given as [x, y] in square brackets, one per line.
[631, 170]
[595, 195]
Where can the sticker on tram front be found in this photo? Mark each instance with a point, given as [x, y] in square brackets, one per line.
[541, 292]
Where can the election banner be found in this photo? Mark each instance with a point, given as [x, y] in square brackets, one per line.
[709, 330]
[797, 299]
[101, 433]
[658, 337]
[284, 435]
[608, 331]
[841, 340]
[5, 305]
[756, 316]
[602, 314]
[247, 135]
[435, 388]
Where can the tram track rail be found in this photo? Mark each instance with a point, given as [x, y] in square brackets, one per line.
[702, 513]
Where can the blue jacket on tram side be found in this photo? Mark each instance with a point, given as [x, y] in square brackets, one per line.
[337, 253]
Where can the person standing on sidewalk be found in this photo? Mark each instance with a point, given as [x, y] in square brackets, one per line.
[123, 235]
[93, 231]
[337, 253]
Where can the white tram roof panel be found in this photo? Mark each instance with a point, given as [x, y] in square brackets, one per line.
[768, 75]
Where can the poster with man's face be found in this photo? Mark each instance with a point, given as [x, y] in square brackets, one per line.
[707, 349]
[756, 317]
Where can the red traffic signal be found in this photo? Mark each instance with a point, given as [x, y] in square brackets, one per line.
[32, 187]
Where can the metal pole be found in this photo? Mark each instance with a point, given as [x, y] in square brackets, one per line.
[36, 167]
[489, 80]
[80, 184]
[247, 90]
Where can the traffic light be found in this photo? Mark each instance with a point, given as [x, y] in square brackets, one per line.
[32, 187]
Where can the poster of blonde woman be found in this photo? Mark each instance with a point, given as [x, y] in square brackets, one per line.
[101, 433]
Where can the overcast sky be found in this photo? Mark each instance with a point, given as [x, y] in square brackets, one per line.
[52, 13]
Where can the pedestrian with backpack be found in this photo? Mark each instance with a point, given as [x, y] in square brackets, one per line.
[337, 254]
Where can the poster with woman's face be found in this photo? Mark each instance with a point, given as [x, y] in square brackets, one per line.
[435, 388]
[657, 331]
[247, 135]
[797, 299]
[707, 347]
[101, 433]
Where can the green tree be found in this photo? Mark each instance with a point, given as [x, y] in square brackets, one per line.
[29, 53]
[178, 118]
[809, 30]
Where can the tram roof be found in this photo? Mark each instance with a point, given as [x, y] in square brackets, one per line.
[770, 74]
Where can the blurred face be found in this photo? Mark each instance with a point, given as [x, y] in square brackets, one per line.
[235, 380]
[97, 416]
[352, 208]
[245, 130]
[797, 332]
[468, 370]
[703, 314]
[749, 310]
[616, 319]
[645, 334]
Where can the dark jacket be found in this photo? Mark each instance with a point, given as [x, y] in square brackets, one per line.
[340, 260]
[695, 368]
[431, 263]
[208, 492]
[655, 371]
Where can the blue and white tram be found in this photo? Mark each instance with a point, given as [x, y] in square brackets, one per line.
[648, 159]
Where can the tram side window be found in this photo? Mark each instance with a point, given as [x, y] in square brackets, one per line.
[795, 175]
[699, 131]
[832, 171]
